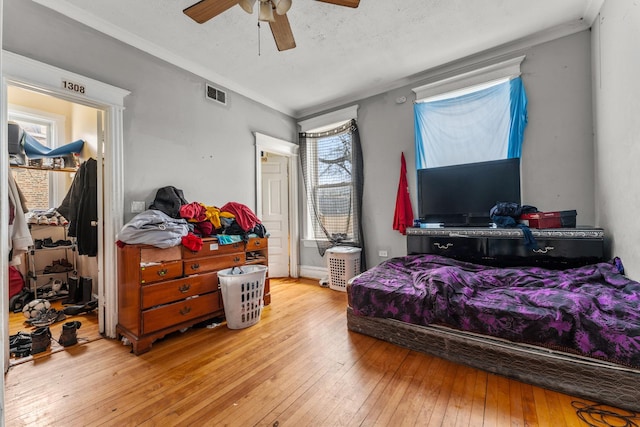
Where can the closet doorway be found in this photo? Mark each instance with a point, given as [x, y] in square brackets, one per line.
[45, 182]
[106, 101]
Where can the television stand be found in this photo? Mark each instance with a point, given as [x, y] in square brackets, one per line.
[558, 248]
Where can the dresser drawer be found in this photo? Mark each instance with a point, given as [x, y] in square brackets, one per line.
[203, 265]
[175, 290]
[178, 312]
[163, 271]
[452, 247]
[153, 254]
[564, 253]
[257, 243]
[211, 247]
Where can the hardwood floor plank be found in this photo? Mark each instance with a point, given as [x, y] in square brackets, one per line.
[542, 408]
[515, 404]
[408, 409]
[372, 408]
[504, 401]
[492, 402]
[479, 398]
[435, 405]
[299, 366]
[397, 389]
[529, 413]
[464, 392]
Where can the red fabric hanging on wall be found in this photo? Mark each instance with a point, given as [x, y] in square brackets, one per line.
[403, 216]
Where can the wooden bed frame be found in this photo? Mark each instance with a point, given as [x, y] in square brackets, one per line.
[592, 379]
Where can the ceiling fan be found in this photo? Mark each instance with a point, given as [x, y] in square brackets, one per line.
[204, 10]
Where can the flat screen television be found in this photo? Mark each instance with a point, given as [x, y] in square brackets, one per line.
[464, 194]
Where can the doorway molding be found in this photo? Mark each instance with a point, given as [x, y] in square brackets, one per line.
[46, 79]
[269, 144]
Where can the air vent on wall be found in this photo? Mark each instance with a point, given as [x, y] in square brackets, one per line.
[215, 94]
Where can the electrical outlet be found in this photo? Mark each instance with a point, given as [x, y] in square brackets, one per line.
[383, 253]
[137, 206]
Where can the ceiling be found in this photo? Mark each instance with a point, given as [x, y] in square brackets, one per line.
[342, 54]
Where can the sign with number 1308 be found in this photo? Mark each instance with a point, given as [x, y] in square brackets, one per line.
[74, 87]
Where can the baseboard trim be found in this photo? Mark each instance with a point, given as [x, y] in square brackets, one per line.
[312, 272]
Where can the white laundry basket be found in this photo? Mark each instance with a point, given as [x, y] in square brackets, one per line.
[343, 263]
[242, 294]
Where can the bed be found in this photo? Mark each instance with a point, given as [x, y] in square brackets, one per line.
[574, 330]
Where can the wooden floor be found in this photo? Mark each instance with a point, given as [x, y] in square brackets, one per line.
[89, 331]
[299, 366]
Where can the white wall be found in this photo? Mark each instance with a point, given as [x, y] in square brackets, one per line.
[557, 155]
[616, 88]
[173, 136]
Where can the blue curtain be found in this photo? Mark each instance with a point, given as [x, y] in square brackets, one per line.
[484, 125]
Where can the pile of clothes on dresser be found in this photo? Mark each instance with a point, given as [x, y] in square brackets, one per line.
[171, 220]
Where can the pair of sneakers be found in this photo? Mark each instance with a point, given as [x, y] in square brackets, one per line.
[57, 219]
[49, 217]
[20, 344]
[48, 242]
[46, 318]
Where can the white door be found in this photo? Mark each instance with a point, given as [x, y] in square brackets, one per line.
[275, 211]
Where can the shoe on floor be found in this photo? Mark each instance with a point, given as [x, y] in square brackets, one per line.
[40, 340]
[69, 335]
[74, 310]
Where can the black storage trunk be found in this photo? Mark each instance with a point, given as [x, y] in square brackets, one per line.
[568, 219]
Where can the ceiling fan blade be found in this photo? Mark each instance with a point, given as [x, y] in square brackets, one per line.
[282, 33]
[348, 3]
[204, 10]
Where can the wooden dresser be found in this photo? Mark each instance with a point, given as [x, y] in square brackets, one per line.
[164, 290]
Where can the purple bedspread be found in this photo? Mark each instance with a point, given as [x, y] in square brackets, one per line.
[593, 310]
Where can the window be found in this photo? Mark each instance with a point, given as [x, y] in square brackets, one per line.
[473, 117]
[331, 160]
[39, 187]
[330, 167]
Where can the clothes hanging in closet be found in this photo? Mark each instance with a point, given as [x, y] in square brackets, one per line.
[19, 236]
[80, 207]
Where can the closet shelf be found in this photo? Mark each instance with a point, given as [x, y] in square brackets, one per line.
[71, 170]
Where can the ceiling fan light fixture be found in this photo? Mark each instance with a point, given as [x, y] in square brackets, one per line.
[266, 11]
[282, 6]
[247, 5]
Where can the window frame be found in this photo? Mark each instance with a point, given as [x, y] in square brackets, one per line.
[56, 124]
[478, 75]
[317, 187]
[314, 125]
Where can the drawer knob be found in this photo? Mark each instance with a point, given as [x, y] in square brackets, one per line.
[184, 288]
[544, 251]
[441, 246]
[162, 272]
[184, 311]
[257, 243]
[236, 259]
[195, 266]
